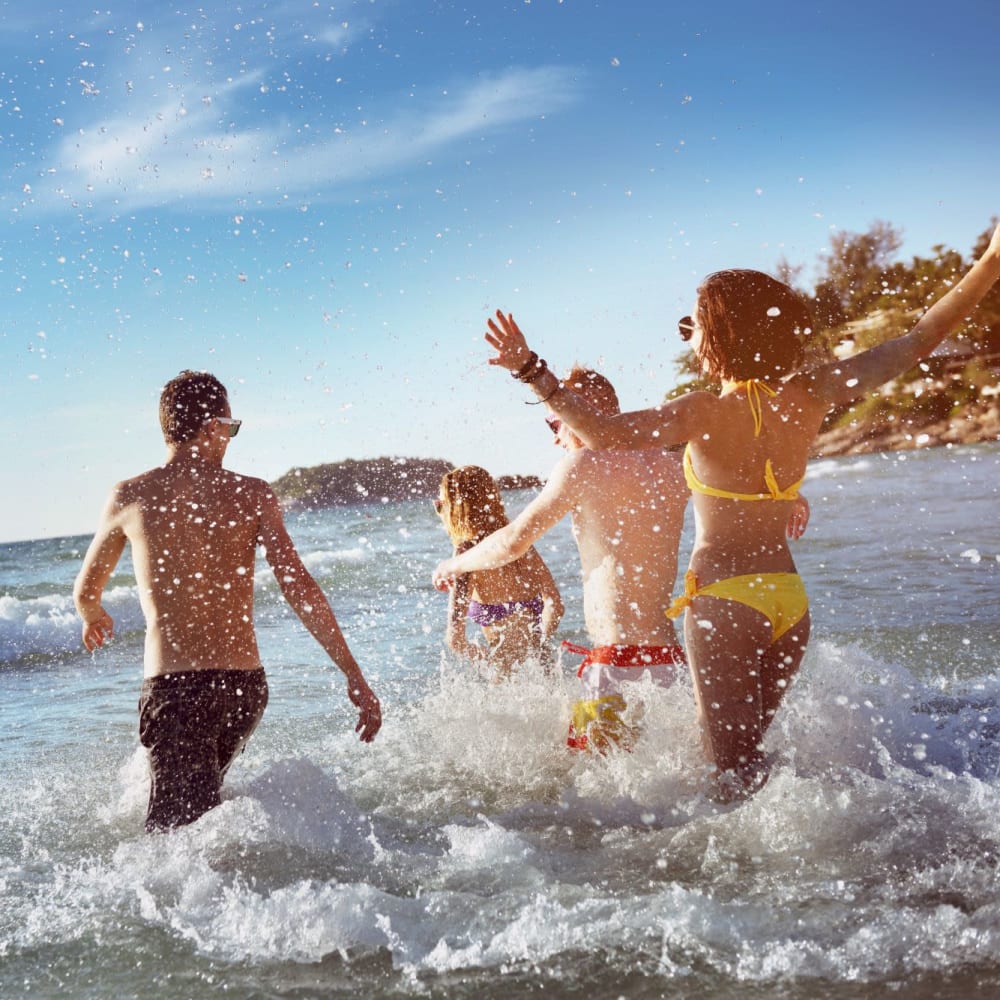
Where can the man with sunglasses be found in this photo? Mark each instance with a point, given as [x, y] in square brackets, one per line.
[194, 528]
[628, 511]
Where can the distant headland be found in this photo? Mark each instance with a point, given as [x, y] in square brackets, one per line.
[364, 480]
[896, 422]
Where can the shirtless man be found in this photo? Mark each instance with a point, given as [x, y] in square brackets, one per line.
[193, 527]
[628, 512]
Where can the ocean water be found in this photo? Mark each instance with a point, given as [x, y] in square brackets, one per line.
[465, 853]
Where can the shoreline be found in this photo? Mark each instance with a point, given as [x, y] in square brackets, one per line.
[977, 422]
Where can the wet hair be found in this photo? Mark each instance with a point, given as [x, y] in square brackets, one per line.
[472, 507]
[187, 401]
[752, 325]
[594, 387]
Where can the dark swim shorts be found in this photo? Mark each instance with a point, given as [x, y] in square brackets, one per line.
[194, 723]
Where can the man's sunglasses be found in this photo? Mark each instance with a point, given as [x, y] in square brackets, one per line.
[685, 327]
[554, 423]
[230, 422]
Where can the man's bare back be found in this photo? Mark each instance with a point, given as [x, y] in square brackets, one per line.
[627, 520]
[194, 528]
[194, 532]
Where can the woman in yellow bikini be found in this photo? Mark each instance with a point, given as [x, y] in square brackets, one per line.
[747, 621]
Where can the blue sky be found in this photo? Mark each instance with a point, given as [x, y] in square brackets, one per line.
[322, 202]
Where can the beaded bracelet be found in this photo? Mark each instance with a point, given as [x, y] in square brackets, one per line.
[540, 369]
[528, 365]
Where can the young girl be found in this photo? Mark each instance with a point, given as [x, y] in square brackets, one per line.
[518, 605]
[748, 616]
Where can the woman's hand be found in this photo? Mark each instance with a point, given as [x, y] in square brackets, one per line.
[798, 519]
[443, 577]
[505, 337]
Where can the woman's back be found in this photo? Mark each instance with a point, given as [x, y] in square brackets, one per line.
[516, 581]
[744, 472]
[518, 605]
[509, 604]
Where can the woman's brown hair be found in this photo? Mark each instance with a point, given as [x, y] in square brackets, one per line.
[752, 325]
[472, 507]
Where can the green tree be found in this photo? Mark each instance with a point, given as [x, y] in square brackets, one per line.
[789, 273]
[855, 273]
[689, 377]
[915, 287]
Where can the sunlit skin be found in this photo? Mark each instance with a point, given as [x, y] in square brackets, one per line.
[517, 637]
[741, 676]
[628, 509]
[628, 512]
[193, 528]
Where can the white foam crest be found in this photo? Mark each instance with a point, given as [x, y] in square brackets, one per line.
[552, 923]
[308, 920]
[125, 806]
[194, 883]
[487, 855]
[651, 783]
[50, 806]
[291, 803]
[49, 624]
[303, 922]
[899, 941]
[849, 709]
[68, 907]
[306, 808]
[183, 880]
[832, 468]
[325, 558]
[758, 936]
[492, 844]
[469, 746]
[830, 714]
[500, 744]
[764, 936]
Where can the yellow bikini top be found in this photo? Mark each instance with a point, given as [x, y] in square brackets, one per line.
[754, 388]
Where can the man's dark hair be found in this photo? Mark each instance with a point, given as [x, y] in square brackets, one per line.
[187, 401]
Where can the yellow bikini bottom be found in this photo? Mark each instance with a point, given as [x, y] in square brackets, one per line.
[779, 597]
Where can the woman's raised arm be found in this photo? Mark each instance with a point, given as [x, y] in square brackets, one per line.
[840, 382]
[655, 427]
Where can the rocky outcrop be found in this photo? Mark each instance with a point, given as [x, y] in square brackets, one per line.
[354, 481]
[905, 429]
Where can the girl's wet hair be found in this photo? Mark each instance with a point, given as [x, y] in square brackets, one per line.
[472, 507]
[187, 401]
[753, 326]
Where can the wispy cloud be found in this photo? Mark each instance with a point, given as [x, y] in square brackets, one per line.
[175, 149]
